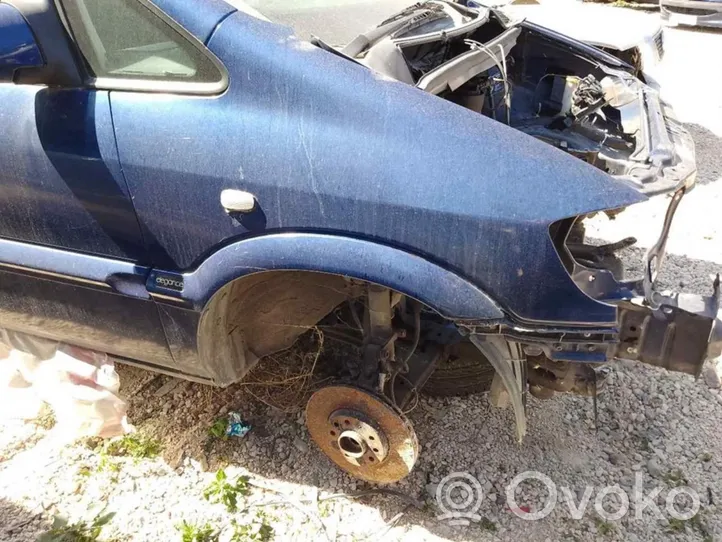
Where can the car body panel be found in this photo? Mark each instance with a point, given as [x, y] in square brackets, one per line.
[328, 146]
[90, 301]
[365, 260]
[199, 22]
[71, 253]
[65, 187]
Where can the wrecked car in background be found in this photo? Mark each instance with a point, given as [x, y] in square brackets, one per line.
[706, 13]
[633, 36]
[194, 195]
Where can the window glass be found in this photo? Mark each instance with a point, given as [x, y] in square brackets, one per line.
[125, 39]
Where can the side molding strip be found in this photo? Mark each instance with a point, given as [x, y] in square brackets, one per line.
[124, 277]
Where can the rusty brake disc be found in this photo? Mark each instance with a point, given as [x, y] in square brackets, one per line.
[362, 433]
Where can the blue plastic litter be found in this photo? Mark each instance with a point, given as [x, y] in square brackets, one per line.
[236, 426]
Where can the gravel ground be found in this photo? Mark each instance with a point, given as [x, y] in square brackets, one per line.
[663, 427]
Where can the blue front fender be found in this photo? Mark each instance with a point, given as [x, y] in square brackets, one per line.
[325, 145]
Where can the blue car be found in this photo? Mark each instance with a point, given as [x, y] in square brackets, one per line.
[191, 187]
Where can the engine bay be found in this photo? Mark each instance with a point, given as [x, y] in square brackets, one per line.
[574, 97]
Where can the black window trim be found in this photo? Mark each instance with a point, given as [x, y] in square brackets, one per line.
[149, 85]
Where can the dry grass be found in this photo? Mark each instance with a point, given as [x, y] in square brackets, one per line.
[286, 380]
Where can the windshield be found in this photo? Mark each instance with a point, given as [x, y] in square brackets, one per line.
[336, 22]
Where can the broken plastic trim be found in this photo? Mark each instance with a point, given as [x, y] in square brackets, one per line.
[462, 68]
[508, 361]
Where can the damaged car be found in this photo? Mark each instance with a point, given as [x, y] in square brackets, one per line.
[633, 36]
[567, 94]
[194, 195]
[704, 13]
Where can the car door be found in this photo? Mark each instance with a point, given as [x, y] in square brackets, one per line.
[157, 68]
[73, 264]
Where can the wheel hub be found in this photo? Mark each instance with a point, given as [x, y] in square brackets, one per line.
[362, 433]
[357, 438]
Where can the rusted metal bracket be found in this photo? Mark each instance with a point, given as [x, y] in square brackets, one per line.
[379, 337]
[565, 377]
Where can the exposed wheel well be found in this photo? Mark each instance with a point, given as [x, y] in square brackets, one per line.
[257, 315]
[260, 314]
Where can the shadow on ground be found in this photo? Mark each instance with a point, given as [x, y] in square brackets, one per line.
[19, 523]
[678, 273]
[708, 149]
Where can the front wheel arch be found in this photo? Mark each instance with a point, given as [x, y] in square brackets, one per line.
[258, 295]
[449, 294]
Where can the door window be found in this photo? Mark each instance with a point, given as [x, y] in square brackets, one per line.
[128, 40]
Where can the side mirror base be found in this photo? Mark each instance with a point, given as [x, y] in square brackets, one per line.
[18, 48]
